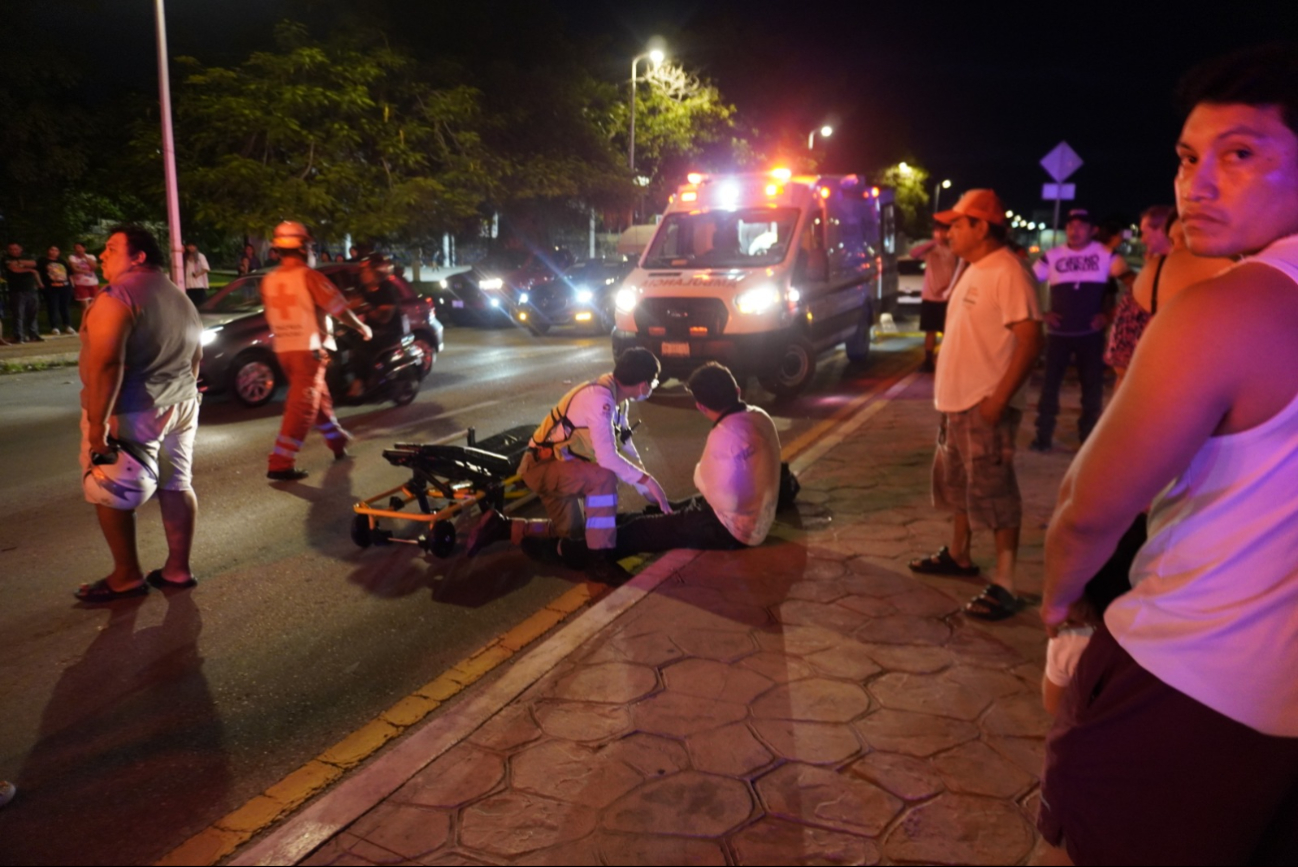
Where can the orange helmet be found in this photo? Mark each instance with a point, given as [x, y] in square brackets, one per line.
[291, 235]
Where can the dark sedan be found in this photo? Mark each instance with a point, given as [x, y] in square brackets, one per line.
[238, 355]
[493, 291]
[581, 296]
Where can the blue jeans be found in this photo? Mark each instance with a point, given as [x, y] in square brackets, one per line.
[1088, 349]
[25, 305]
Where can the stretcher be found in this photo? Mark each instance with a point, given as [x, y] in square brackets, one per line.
[445, 480]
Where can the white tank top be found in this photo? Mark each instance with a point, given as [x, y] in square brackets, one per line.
[1214, 609]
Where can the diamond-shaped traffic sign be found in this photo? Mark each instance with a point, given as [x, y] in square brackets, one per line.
[1061, 162]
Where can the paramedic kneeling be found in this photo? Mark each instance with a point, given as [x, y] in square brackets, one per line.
[738, 477]
[574, 461]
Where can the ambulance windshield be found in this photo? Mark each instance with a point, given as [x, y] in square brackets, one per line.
[744, 238]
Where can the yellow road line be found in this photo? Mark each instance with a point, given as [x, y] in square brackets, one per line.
[231, 831]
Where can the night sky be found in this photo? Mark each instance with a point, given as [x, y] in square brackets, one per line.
[976, 92]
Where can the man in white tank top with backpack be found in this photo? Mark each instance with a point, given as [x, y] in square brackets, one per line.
[1177, 741]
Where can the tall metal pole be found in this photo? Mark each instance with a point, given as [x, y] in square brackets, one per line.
[169, 152]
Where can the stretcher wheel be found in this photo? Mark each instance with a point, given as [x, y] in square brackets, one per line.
[443, 539]
[361, 531]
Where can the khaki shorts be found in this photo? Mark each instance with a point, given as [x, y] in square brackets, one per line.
[973, 468]
[167, 430]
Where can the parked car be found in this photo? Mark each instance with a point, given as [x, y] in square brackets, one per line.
[489, 293]
[910, 283]
[581, 296]
[239, 356]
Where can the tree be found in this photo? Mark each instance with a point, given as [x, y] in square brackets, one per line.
[343, 136]
[911, 185]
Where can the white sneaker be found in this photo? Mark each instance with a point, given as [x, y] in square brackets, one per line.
[55, 332]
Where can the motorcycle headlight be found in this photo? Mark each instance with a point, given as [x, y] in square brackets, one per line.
[626, 299]
[757, 300]
[209, 334]
[491, 283]
[584, 296]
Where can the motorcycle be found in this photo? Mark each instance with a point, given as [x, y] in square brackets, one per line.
[393, 372]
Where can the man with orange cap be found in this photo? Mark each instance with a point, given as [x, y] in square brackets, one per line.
[299, 303]
[993, 337]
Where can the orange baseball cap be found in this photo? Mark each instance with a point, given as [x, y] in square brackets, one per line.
[979, 204]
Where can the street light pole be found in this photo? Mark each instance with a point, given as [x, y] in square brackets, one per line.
[825, 132]
[657, 57]
[937, 193]
[169, 152]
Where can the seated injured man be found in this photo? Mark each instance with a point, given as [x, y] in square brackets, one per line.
[738, 478]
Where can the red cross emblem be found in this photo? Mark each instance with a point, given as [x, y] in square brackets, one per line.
[278, 297]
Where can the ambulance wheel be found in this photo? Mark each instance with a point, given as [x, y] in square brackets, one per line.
[361, 531]
[443, 542]
[858, 345]
[797, 367]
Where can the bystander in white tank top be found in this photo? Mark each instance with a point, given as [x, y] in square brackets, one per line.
[1214, 609]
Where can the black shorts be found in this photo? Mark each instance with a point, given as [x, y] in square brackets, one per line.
[1139, 773]
[932, 315]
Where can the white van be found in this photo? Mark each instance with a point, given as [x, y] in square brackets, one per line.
[763, 272]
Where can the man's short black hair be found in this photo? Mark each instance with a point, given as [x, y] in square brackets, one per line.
[714, 387]
[1257, 76]
[635, 366]
[140, 240]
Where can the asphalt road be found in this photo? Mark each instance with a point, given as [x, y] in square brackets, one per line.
[128, 729]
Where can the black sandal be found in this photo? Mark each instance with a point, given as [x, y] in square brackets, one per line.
[99, 592]
[994, 603]
[942, 563]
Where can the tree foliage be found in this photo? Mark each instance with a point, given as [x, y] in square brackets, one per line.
[910, 182]
[343, 136]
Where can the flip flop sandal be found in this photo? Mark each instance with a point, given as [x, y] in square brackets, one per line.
[994, 603]
[942, 563]
[99, 592]
[155, 578]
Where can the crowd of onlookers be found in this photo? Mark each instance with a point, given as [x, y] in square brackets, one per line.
[51, 281]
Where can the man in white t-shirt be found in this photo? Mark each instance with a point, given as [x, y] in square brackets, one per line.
[1177, 740]
[1081, 304]
[993, 336]
[196, 271]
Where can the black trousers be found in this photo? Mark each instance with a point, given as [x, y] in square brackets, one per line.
[692, 524]
[58, 304]
[1088, 349]
[25, 306]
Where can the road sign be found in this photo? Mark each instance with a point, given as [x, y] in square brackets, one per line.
[1056, 192]
[1061, 162]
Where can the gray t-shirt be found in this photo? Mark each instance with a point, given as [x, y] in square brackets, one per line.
[165, 335]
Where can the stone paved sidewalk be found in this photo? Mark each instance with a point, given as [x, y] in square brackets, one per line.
[809, 701]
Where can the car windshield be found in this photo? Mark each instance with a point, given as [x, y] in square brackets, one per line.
[746, 238]
[240, 296]
[594, 272]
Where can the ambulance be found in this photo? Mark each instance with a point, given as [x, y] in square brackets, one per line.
[763, 272]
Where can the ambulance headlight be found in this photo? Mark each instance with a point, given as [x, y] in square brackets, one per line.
[209, 334]
[625, 300]
[584, 296]
[757, 300]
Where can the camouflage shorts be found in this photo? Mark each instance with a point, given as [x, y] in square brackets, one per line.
[973, 468]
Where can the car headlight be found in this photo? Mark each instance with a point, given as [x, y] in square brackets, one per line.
[491, 283]
[209, 334]
[522, 297]
[626, 299]
[443, 284]
[584, 296]
[757, 300]
[494, 302]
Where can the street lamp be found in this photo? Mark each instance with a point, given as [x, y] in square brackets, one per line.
[825, 132]
[937, 193]
[655, 56]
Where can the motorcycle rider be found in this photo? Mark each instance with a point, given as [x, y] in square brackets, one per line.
[380, 306]
[299, 302]
[574, 461]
